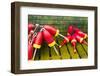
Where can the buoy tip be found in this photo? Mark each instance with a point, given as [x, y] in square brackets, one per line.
[74, 51]
[60, 46]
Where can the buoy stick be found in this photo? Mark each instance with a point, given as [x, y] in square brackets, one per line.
[63, 36]
[34, 54]
[55, 50]
[84, 42]
[74, 49]
[33, 37]
[36, 27]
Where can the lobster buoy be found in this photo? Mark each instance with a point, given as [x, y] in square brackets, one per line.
[30, 27]
[30, 51]
[48, 38]
[73, 42]
[68, 38]
[53, 31]
[80, 33]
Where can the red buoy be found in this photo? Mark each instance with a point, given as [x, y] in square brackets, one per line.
[33, 38]
[70, 29]
[53, 31]
[30, 48]
[73, 42]
[48, 38]
[80, 39]
[68, 38]
[30, 34]
[80, 33]
[30, 51]
[30, 27]
[38, 40]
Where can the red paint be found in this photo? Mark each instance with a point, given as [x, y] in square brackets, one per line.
[33, 40]
[38, 39]
[73, 42]
[30, 34]
[79, 32]
[79, 38]
[47, 36]
[50, 29]
[70, 29]
[30, 27]
[30, 51]
[65, 41]
[76, 29]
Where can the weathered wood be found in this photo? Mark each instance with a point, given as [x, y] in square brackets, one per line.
[64, 51]
[44, 52]
[81, 51]
[85, 48]
[71, 51]
[54, 56]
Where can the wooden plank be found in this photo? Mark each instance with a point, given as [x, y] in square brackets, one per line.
[54, 56]
[73, 55]
[85, 48]
[44, 55]
[64, 51]
[81, 51]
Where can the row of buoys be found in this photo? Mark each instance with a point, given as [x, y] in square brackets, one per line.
[46, 33]
[74, 35]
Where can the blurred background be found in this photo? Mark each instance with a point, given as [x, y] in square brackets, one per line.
[60, 22]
